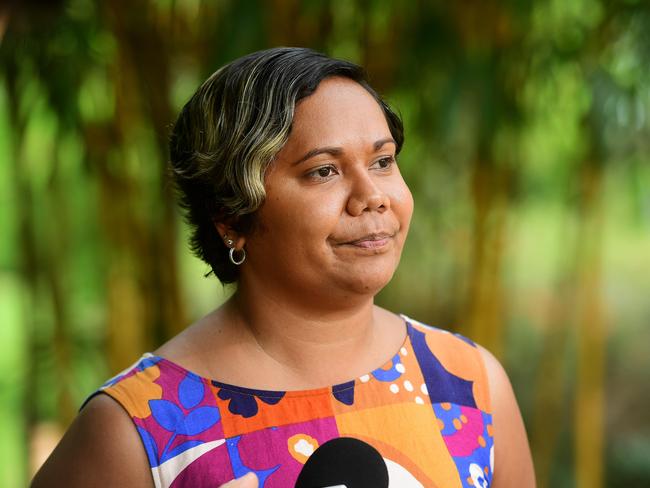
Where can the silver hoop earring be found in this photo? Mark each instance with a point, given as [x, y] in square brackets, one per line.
[232, 256]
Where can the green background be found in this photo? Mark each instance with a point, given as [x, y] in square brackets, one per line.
[527, 127]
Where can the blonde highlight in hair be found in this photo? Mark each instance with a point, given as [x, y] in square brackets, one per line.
[231, 129]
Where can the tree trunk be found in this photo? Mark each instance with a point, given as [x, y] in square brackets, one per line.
[485, 322]
[28, 259]
[592, 334]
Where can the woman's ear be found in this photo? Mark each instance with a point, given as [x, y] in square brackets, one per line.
[230, 237]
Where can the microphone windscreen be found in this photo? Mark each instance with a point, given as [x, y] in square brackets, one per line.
[344, 461]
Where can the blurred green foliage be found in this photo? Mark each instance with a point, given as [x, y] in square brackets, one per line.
[527, 145]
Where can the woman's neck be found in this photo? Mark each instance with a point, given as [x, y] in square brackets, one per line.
[264, 343]
[308, 343]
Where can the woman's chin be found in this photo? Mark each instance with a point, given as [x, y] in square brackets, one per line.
[368, 283]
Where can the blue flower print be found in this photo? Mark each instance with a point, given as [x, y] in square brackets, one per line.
[243, 401]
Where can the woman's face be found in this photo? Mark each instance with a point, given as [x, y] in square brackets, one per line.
[337, 210]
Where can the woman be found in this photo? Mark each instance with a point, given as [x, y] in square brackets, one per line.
[285, 163]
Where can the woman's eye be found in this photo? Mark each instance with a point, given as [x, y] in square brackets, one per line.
[385, 163]
[322, 173]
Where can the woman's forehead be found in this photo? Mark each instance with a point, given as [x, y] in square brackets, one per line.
[340, 111]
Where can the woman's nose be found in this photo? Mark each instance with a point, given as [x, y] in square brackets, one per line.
[366, 195]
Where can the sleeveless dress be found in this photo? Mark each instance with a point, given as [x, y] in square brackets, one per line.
[426, 411]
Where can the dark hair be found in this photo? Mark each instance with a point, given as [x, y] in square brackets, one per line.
[232, 128]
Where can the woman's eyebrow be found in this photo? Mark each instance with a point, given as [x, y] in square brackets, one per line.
[337, 151]
[380, 143]
[333, 151]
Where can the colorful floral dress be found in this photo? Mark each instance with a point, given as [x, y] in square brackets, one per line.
[426, 411]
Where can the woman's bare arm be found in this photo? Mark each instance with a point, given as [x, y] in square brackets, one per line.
[101, 448]
[513, 463]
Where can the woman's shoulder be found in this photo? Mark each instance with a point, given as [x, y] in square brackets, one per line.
[104, 442]
[175, 415]
[133, 387]
[470, 373]
[100, 448]
[453, 365]
[438, 332]
[142, 427]
[455, 347]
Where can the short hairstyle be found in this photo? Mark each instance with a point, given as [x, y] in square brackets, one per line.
[228, 133]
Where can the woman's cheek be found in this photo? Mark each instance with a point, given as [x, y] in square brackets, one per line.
[402, 203]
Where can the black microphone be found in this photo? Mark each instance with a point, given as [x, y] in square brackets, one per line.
[344, 461]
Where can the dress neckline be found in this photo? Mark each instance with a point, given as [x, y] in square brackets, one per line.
[337, 388]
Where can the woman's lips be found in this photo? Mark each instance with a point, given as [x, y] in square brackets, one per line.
[371, 241]
[372, 244]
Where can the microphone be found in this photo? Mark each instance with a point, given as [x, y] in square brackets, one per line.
[346, 462]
